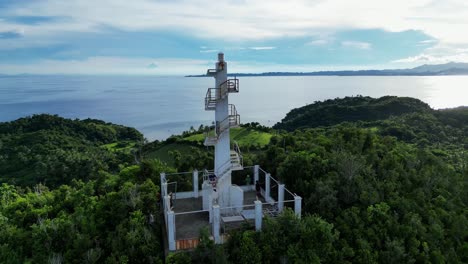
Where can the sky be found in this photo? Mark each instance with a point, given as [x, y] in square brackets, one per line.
[178, 37]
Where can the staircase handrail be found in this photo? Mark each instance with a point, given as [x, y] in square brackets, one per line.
[232, 85]
[238, 151]
[209, 94]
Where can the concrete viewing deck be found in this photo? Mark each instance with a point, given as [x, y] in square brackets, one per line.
[185, 215]
[190, 217]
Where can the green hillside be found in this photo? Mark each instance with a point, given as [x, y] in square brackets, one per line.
[385, 188]
[54, 150]
[350, 109]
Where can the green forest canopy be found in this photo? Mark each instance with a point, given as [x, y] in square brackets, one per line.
[389, 188]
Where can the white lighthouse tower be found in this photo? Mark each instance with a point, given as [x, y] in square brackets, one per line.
[217, 187]
[224, 205]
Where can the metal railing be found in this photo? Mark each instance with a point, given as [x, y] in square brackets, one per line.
[214, 94]
[236, 157]
[211, 98]
[230, 85]
[224, 168]
[231, 121]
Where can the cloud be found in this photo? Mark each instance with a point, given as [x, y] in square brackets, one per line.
[34, 20]
[441, 53]
[249, 26]
[318, 42]
[356, 45]
[428, 41]
[209, 50]
[9, 35]
[429, 59]
[423, 58]
[244, 20]
[262, 48]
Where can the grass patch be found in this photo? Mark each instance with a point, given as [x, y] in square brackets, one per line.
[163, 155]
[121, 146]
[242, 135]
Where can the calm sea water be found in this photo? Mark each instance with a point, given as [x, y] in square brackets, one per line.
[161, 106]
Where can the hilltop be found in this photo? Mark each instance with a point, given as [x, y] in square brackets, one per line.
[350, 109]
[52, 150]
[382, 181]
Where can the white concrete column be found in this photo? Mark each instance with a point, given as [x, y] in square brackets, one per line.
[298, 205]
[167, 203]
[195, 183]
[162, 177]
[267, 187]
[280, 197]
[258, 215]
[165, 207]
[164, 189]
[171, 230]
[256, 170]
[216, 224]
[210, 206]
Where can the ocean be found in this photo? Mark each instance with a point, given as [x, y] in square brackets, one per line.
[162, 106]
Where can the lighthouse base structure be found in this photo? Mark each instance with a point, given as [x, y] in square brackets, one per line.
[229, 196]
[188, 210]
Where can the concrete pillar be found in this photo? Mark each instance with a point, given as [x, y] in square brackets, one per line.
[167, 203]
[164, 189]
[195, 183]
[298, 205]
[210, 206]
[258, 215]
[171, 230]
[256, 170]
[216, 224]
[280, 197]
[267, 187]
[162, 177]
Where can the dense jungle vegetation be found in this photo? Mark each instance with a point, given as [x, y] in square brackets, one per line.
[382, 180]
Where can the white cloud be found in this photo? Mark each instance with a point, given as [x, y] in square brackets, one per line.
[237, 22]
[262, 48]
[428, 41]
[356, 45]
[430, 59]
[318, 42]
[440, 53]
[243, 20]
[209, 50]
[423, 58]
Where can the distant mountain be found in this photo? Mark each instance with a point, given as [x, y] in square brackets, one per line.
[451, 68]
[447, 67]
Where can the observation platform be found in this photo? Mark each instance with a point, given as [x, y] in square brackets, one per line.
[183, 205]
[190, 217]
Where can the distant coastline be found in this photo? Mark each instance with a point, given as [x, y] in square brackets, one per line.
[451, 68]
